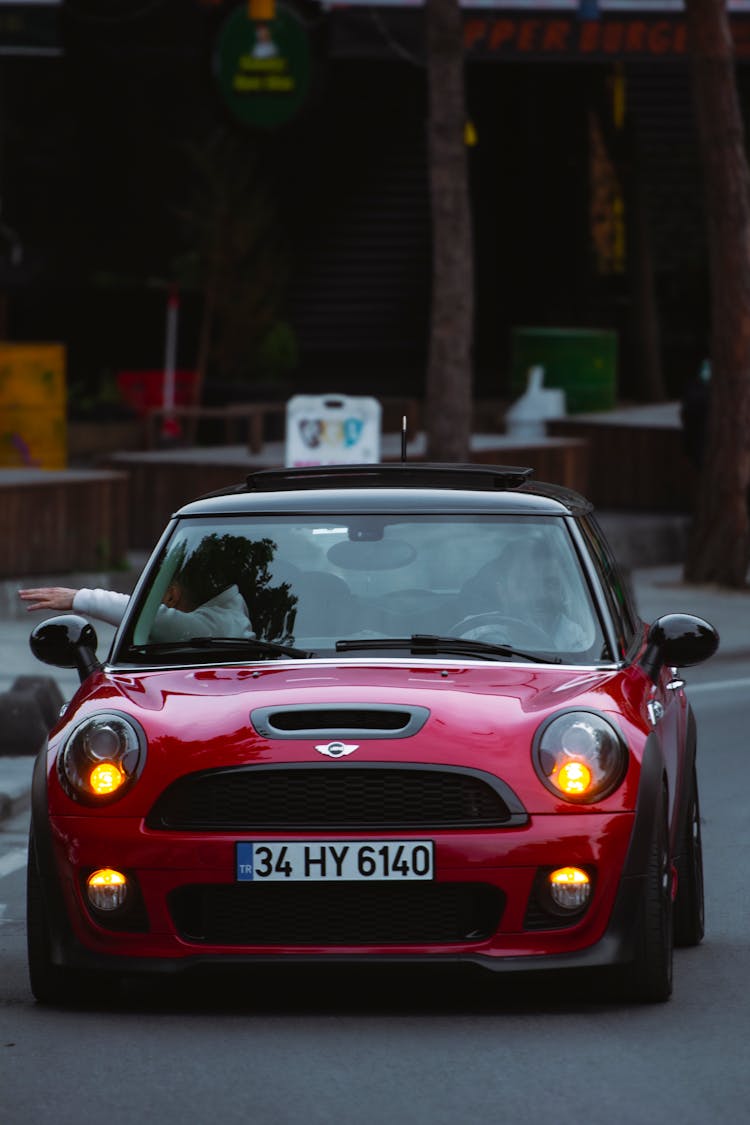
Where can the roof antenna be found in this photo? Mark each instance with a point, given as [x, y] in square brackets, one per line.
[403, 437]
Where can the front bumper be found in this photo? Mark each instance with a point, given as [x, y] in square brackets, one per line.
[165, 863]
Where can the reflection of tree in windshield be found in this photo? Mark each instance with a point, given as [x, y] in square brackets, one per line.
[220, 561]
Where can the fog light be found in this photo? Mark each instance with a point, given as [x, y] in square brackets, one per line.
[570, 887]
[107, 889]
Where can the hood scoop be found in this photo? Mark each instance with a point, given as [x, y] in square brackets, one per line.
[339, 721]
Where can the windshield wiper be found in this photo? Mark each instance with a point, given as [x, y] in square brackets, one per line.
[199, 644]
[421, 643]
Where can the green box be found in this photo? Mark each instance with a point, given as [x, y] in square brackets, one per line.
[581, 361]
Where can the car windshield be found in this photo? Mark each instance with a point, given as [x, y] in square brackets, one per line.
[309, 583]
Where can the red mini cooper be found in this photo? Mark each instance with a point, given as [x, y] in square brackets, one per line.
[399, 713]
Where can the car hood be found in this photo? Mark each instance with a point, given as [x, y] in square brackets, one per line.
[222, 696]
[476, 716]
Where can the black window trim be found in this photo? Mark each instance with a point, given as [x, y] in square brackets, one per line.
[589, 532]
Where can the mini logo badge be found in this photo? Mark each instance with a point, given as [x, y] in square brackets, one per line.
[337, 749]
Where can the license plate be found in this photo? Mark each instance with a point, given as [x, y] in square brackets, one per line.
[334, 861]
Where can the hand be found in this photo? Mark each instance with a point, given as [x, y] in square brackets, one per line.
[48, 597]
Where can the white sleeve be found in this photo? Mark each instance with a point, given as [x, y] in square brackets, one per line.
[105, 605]
[223, 616]
[174, 624]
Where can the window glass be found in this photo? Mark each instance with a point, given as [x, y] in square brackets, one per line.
[312, 581]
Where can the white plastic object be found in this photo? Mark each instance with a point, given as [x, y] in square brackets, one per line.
[529, 414]
[332, 430]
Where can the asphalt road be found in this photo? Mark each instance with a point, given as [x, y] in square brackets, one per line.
[366, 1048]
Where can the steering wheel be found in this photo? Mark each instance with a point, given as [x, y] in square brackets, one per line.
[501, 629]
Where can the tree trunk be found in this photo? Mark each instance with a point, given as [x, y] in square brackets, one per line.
[719, 547]
[449, 370]
[651, 382]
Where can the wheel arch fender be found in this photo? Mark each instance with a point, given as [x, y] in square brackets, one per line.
[650, 795]
[683, 797]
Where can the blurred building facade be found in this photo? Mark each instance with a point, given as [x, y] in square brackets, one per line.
[585, 186]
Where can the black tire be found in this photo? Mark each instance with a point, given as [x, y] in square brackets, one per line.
[649, 977]
[689, 909]
[50, 983]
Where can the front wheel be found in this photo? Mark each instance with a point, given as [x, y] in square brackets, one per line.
[50, 983]
[649, 977]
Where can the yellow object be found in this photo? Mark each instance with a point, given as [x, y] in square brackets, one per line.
[569, 876]
[261, 10]
[107, 889]
[471, 137]
[33, 406]
[570, 888]
[106, 778]
[574, 778]
[107, 877]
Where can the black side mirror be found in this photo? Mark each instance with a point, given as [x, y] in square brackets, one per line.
[678, 639]
[68, 641]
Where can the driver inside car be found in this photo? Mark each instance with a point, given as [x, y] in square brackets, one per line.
[526, 602]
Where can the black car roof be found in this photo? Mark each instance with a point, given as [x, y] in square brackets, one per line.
[432, 487]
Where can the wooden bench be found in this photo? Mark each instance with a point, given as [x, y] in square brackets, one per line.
[236, 417]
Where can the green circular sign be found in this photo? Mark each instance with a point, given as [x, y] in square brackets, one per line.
[263, 68]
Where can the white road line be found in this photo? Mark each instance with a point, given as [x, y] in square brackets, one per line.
[12, 861]
[718, 685]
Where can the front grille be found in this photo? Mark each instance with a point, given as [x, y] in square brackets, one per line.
[352, 797]
[340, 914]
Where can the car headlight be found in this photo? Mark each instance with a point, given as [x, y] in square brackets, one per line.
[580, 756]
[101, 758]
